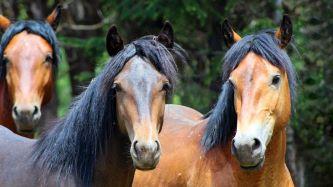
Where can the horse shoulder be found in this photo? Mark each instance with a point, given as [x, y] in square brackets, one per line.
[200, 173]
[213, 169]
[185, 156]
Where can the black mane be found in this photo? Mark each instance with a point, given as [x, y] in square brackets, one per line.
[41, 28]
[222, 120]
[71, 148]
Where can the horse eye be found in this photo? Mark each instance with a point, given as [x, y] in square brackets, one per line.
[166, 86]
[5, 60]
[49, 59]
[116, 87]
[276, 80]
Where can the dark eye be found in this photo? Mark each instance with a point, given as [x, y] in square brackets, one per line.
[116, 87]
[49, 59]
[5, 60]
[276, 80]
[166, 87]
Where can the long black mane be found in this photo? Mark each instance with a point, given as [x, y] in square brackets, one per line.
[41, 28]
[73, 146]
[222, 120]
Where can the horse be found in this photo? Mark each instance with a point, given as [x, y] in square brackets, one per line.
[111, 128]
[242, 141]
[28, 63]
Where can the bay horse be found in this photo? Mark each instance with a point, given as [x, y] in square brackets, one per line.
[242, 141]
[28, 62]
[112, 127]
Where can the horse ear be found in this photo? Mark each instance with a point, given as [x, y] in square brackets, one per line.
[54, 18]
[4, 23]
[114, 43]
[166, 35]
[285, 32]
[229, 35]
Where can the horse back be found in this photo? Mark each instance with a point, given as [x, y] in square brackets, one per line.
[178, 115]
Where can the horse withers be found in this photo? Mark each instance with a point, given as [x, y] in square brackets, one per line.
[242, 141]
[28, 61]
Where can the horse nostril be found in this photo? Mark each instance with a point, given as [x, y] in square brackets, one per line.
[256, 144]
[15, 111]
[157, 146]
[135, 147]
[35, 112]
[233, 147]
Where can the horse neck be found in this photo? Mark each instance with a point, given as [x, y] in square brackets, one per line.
[274, 171]
[5, 107]
[115, 167]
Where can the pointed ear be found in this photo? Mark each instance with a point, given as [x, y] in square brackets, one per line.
[166, 35]
[229, 35]
[4, 23]
[54, 18]
[285, 32]
[114, 43]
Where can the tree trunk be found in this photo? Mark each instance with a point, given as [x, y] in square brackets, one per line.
[294, 161]
[81, 65]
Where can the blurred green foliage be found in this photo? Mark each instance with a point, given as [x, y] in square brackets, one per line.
[62, 85]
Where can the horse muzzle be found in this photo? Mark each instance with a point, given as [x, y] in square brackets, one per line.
[26, 117]
[249, 151]
[145, 155]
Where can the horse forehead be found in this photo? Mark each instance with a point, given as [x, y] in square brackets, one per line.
[253, 67]
[27, 44]
[140, 71]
